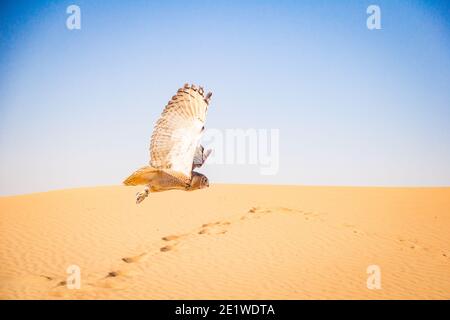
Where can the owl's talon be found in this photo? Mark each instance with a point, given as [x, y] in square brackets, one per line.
[140, 196]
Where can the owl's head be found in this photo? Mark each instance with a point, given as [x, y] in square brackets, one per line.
[198, 181]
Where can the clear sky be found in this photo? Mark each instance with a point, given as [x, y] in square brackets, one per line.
[353, 106]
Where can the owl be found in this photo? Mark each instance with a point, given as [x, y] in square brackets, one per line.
[175, 149]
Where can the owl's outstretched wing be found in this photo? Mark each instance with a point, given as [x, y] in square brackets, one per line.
[177, 132]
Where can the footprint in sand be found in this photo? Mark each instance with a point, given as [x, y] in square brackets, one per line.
[166, 248]
[61, 284]
[354, 229]
[309, 215]
[135, 258]
[255, 212]
[114, 274]
[172, 237]
[219, 227]
[411, 244]
[258, 212]
[174, 240]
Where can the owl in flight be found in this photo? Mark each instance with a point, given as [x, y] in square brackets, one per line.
[175, 149]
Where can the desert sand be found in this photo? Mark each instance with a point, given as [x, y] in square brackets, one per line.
[227, 242]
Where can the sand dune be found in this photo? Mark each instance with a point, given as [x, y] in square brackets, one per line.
[227, 242]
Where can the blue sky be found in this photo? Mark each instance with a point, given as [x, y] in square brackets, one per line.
[353, 106]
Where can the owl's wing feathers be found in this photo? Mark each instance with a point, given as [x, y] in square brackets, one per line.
[177, 132]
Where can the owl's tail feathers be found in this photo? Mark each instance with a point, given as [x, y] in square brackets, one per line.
[142, 176]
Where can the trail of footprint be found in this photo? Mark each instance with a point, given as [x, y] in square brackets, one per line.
[207, 228]
[405, 243]
[412, 244]
[172, 239]
[258, 212]
[415, 245]
[170, 242]
[100, 282]
[51, 280]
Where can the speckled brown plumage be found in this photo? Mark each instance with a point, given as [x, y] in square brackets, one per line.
[174, 145]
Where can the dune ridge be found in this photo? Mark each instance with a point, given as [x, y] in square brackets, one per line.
[227, 242]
